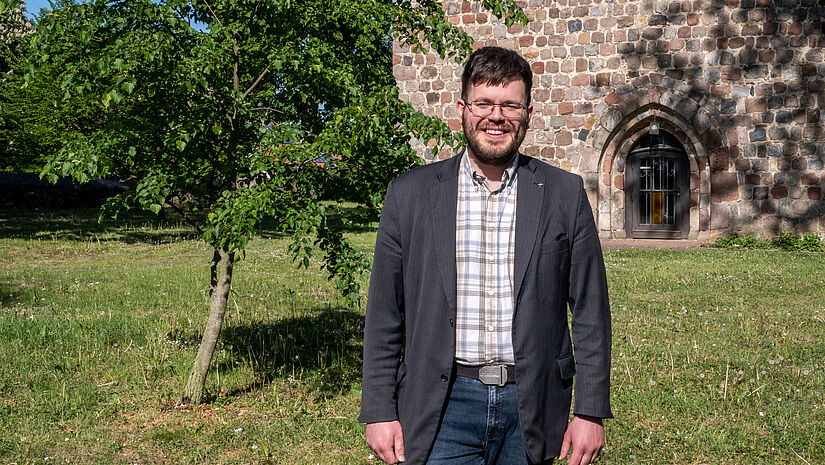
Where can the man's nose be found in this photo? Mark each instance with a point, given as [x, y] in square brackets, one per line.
[496, 114]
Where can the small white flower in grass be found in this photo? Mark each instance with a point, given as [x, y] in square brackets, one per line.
[238, 430]
[254, 446]
[781, 358]
[647, 440]
[370, 457]
[632, 457]
[806, 372]
[761, 414]
[701, 375]
[652, 383]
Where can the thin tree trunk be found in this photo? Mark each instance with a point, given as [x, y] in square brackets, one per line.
[213, 271]
[193, 390]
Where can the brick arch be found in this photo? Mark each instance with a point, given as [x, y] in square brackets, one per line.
[627, 118]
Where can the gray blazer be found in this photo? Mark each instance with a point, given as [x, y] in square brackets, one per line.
[409, 336]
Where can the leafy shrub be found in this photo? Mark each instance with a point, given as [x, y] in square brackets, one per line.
[790, 241]
[808, 242]
[812, 242]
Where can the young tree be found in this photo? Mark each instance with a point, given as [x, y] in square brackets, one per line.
[223, 107]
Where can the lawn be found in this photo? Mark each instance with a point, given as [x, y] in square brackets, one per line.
[718, 358]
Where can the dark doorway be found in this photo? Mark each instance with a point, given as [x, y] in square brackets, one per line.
[657, 189]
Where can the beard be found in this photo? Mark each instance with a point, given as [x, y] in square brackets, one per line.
[491, 153]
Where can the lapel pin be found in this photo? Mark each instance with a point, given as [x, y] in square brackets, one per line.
[539, 184]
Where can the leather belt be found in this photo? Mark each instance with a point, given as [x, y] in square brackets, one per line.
[496, 375]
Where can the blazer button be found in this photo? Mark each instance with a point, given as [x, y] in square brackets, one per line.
[451, 322]
[444, 378]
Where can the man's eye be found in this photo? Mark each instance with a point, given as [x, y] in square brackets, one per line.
[510, 106]
[482, 106]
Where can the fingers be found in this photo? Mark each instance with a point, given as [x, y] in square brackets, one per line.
[398, 444]
[385, 452]
[384, 439]
[586, 436]
[576, 457]
[565, 446]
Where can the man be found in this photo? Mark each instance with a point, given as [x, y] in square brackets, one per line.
[468, 358]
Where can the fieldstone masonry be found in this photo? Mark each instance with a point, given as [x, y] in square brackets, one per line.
[740, 83]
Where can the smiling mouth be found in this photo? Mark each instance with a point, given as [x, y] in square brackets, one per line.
[494, 132]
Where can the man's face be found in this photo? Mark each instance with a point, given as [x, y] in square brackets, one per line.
[494, 139]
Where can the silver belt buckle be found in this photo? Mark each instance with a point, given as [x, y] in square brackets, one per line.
[496, 374]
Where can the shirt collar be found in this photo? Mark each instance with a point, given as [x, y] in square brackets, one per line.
[507, 178]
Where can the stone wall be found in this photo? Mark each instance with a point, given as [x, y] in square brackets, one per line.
[740, 83]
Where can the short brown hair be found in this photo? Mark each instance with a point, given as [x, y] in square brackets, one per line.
[496, 66]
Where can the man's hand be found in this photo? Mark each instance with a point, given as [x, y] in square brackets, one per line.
[386, 440]
[586, 435]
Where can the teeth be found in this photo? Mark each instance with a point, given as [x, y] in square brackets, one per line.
[495, 132]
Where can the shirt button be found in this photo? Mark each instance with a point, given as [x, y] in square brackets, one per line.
[491, 328]
[491, 293]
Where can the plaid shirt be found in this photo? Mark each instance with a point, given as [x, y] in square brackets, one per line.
[484, 249]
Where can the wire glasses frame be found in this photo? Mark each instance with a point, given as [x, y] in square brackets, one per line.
[508, 110]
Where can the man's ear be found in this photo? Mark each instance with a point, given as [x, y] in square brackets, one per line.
[459, 107]
[530, 112]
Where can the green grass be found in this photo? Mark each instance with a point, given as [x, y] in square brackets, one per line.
[719, 355]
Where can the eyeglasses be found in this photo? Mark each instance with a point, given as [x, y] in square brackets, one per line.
[508, 110]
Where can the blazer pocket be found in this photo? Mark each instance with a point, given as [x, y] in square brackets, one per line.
[567, 367]
[555, 246]
[402, 373]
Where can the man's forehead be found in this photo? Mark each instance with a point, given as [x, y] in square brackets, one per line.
[513, 87]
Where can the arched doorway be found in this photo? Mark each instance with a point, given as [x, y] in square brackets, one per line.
[657, 189]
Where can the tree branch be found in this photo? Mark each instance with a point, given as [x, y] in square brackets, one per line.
[213, 13]
[185, 216]
[257, 81]
[269, 109]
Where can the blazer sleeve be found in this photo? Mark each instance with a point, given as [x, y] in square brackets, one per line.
[383, 328]
[590, 310]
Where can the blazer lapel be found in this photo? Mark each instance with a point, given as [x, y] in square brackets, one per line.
[529, 213]
[443, 200]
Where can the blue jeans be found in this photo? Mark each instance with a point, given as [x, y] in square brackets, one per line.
[480, 427]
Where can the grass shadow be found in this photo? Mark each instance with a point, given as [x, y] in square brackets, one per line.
[12, 294]
[319, 347]
[82, 225]
[137, 226]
